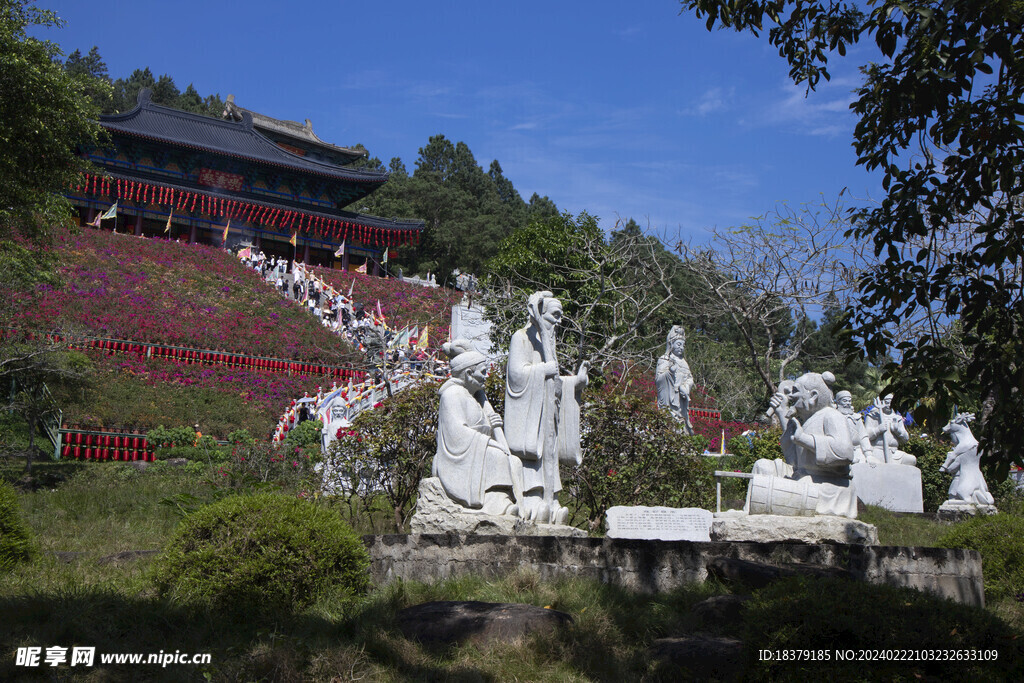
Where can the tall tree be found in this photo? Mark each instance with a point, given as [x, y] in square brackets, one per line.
[44, 114]
[942, 117]
[93, 70]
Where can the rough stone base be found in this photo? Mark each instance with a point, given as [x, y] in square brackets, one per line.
[955, 509]
[660, 566]
[436, 513]
[477, 622]
[893, 487]
[738, 526]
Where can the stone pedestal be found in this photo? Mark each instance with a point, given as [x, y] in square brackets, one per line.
[955, 509]
[436, 513]
[738, 526]
[893, 487]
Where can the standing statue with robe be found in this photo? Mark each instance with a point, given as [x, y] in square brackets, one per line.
[542, 411]
[674, 379]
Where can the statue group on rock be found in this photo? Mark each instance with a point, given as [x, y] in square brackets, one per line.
[510, 466]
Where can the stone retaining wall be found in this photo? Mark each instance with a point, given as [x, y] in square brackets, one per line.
[656, 566]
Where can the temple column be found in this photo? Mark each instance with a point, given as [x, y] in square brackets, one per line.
[138, 222]
[305, 254]
[259, 240]
[344, 260]
[192, 232]
[90, 215]
[376, 268]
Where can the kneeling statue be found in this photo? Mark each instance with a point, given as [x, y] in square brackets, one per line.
[473, 461]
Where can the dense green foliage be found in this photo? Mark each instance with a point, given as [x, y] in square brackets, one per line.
[636, 455]
[263, 551]
[931, 453]
[16, 541]
[1000, 540]
[43, 116]
[388, 450]
[940, 117]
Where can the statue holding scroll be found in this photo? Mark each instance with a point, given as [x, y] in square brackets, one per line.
[542, 410]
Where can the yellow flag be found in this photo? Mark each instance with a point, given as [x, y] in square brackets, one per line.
[167, 228]
[422, 342]
[227, 227]
[293, 240]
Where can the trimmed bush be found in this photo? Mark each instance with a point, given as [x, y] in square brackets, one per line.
[1000, 540]
[264, 552]
[16, 542]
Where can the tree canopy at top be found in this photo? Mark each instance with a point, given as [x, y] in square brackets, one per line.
[942, 117]
[44, 114]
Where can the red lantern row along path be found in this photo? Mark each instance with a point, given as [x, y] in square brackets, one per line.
[206, 357]
[89, 445]
[705, 413]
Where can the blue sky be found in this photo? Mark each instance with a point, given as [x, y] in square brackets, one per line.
[621, 109]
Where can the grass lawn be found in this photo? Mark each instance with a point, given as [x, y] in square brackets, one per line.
[90, 598]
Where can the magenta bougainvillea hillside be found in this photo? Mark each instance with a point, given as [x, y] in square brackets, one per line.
[123, 287]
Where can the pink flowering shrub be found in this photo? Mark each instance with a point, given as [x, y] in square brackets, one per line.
[122, 287]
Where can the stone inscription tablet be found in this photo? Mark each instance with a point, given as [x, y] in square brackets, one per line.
[659, 523]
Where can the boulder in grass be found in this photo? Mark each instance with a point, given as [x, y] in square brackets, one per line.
[453, 622]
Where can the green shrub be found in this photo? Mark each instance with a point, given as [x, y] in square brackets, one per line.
[16, 542]
[931, 453]
[749, 449]
[175, 436]
[306, 434]
[263, 551]
[636, 454]
[241, 437]
[1000, 540]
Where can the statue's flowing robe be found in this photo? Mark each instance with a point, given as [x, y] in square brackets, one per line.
[674, 381]
[828, 462]
[468, 461]
[526, 411]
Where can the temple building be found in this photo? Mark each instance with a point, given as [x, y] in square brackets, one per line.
[273, 184]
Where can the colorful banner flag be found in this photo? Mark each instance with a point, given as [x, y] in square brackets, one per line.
[167, 228]
[386, 252]
[109, 213]
[224, 237]
[421, 343]
[341, 250]
[294, 240]
[361, 269]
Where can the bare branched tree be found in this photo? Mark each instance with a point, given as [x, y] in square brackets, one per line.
[773, 277]
[611, 290]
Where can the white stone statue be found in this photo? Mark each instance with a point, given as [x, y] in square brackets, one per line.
[814, 477]
[674, 379]
[886, 432]
[855, 422]
[473, 462]
[542, 410]
[968, 487]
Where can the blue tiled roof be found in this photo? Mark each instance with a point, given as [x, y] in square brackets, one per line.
[230, 138]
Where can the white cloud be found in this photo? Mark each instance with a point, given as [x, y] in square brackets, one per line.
[713, 99]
